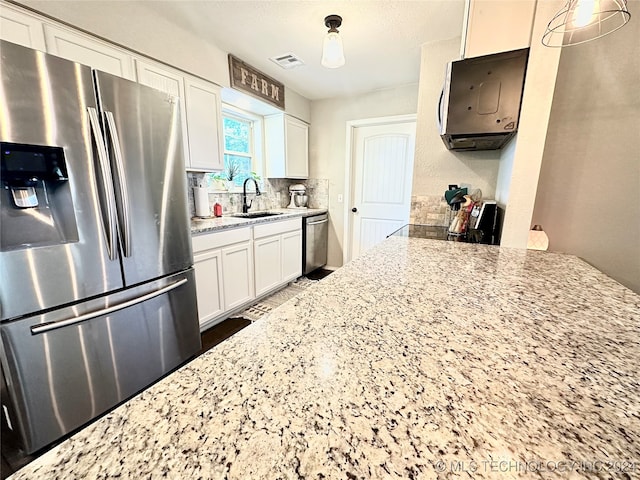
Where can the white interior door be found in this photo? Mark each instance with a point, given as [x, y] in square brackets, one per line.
[382, 175]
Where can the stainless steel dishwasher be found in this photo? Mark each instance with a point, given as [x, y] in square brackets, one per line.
[315, 235]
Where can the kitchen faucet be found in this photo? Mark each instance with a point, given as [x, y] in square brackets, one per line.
[245, 207]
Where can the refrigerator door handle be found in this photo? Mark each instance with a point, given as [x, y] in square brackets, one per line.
[107, 183]
[47, 327]
[122, 182]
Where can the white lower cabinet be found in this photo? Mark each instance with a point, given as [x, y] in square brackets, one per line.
[223, 262]
[277, 251]
[237, 275]
[292, 255]
[268, 266]
[209, 286]
[235, 266]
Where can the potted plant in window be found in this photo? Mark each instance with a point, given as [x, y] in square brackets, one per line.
[257, 178]
[225, 180]
[219, 181]
[230, 173]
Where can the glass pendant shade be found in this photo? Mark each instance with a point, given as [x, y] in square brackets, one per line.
[332, 51]
[538, 239]
[581, 21]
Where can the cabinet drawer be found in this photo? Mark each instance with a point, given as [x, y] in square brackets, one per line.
[275, 228]
[223, 238]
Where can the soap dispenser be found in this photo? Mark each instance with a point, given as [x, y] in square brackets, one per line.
[217, 208]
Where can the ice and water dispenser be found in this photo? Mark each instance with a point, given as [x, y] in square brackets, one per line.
[36, 207]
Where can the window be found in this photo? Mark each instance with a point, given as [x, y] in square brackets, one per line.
[238, 148]
[241, 146]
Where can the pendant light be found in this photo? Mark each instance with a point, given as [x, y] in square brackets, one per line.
[538, 239]
[581, 21]
[332, 51]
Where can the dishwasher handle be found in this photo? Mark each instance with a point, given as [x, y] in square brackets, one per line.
[318, 222]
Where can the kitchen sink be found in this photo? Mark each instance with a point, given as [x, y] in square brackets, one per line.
[255, 214]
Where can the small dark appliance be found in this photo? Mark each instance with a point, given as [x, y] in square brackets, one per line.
[480, 102]
[485, 222]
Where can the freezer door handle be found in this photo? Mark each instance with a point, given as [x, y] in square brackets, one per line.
[47, 327]
[107, 183]
[125, 227]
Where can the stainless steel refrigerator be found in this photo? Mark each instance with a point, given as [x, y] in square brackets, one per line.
[97, 291]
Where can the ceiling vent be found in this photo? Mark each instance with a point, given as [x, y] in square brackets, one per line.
[287, 60]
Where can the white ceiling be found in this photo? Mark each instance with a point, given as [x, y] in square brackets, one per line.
[381, 38]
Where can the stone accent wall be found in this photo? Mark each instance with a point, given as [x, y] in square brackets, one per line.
[430, 210]
[274, 194]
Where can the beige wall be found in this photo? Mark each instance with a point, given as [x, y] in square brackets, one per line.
[435, 166]
[327, 145]
[588, 197]
[520, 163]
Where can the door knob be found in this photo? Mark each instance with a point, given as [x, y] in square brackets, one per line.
[354, 209]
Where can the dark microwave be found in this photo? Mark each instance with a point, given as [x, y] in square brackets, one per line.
[480, 101]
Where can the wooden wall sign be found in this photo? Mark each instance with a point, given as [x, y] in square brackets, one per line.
[246, 78]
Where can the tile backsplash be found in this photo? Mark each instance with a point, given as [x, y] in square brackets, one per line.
[274, 194]
[430, 210]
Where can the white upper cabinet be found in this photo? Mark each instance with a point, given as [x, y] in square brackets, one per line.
[287, 147]
[200, 101]
[494, 27]
[21, 28]
[160, 77]
[89, 51]
[170, 81]
[204, 121]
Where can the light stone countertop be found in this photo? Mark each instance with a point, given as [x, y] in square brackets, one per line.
[212, 224]
[416, 353]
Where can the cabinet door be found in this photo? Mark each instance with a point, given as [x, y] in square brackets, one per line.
[297, 148]
[268, 263]
[204, 124]
[209, 285]
[89, 51]
[291, 255]
[169, 81]
[237, 275]
[274, 146]
[494, 27]
[21, 28]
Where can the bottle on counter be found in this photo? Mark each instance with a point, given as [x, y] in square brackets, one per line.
[217, 208]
